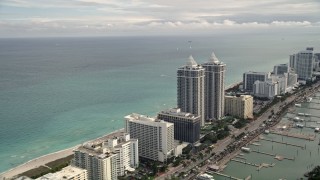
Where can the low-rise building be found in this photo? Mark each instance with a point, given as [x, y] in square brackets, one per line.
[67, 173]
[239, 106]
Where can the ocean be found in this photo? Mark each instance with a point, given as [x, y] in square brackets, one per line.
[59, 92]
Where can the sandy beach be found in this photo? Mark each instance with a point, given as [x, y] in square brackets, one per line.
[40, 161]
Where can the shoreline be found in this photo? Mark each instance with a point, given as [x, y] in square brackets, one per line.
[44, 159]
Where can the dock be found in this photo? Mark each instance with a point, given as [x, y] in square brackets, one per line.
[278, 157]
[224, 175]
[286, 143]
[294, 135]
[245, 162]
[258, 166]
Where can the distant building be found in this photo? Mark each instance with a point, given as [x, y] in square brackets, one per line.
[266, 89]
[292, 79]
[186, 125]
[282, 81]
[280, 69]
[214, 88]
[67, 173]
[155, 137]
[239, 106]
[190, 88]
[100, 163]
[249, 78]
[303, 64]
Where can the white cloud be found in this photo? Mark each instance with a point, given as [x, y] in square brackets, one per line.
[150, 15]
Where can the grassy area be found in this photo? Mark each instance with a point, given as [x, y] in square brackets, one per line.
[55, 166]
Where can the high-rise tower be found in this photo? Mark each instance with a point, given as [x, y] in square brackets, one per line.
[190, 89]
[214, 88]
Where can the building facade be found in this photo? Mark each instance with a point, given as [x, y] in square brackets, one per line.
[239, 106]
[190, 88]
[67, 173]
[280, 69]
[186, 125]
[127, 152]
[265, 89]
[155, 137]
[304, 61]
[249, 78]
[100, 163]
[214, 85]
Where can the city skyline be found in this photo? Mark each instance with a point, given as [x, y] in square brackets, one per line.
[139, 17]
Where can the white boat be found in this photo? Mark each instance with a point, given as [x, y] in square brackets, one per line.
[309, 99]
[316, 129]
[298, 105]
[244, 149]
[266, 131]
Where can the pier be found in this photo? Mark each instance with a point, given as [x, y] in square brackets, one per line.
[244, 162]
[224, 175]
[294, 135]
[258, 166]
[286, 143]
[280, 158]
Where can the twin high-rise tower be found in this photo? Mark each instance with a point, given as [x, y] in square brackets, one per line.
[200, 88]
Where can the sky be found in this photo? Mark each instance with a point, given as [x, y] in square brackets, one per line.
[149, 17]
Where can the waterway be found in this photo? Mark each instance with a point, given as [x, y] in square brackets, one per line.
[304, 159]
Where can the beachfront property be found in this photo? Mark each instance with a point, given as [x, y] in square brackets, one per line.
[186, 125]
[124, 149]
[302, 63]
[100, 163]
[214, 86]
[67, 173]
[249, 78]
[266, 89]
[280, 69]
[190, 89]
[127, 152]
[239, 106]
[155, 137]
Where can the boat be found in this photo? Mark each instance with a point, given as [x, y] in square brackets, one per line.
[299, 125]
[266, 131]
[298, 105]
[297, 119]
[244, 149]
[309, 99]
[317, 129]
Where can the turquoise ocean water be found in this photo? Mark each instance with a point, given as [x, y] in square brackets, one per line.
[58, 92]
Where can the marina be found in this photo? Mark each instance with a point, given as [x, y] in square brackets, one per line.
[285, 145]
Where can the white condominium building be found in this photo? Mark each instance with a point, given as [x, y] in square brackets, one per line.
[267, 89]
[214, 88]
[302, 63]
[127, 152]
[190, 89]
[239, 106]
[100, 163]
[155, 137]
[67, 173]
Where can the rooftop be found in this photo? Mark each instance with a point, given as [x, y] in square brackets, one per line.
[178, 112]
[95, 150]
[66, 173]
